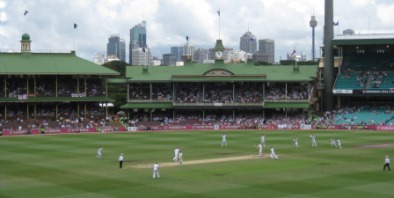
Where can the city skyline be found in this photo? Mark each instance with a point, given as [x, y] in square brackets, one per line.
[170, 21]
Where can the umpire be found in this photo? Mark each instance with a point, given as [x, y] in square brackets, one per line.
[386, 163]
[121, 160]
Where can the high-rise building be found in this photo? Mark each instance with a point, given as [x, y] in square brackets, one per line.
[248, 43]
[141, 56]
[266, 51]
[137, 39]
[201, 55]
[116, 47]
[169, 60]
[178, 52]
[188, 51]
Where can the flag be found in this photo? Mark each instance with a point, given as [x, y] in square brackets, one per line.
[75, 26]
[219, 13]
[25, 13]
[294, 51]
[336, 24]
[187, 38]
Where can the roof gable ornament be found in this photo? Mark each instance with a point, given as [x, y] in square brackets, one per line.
[218, 72]
[25, 43]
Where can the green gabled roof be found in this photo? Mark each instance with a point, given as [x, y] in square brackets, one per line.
[49, 64]
[239, 72]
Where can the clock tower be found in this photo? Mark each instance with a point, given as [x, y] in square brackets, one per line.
[219, 50]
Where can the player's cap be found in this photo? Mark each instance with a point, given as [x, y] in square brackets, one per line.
[387, 156]
[121, 154]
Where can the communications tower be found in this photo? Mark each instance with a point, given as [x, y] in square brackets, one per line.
[313, 24]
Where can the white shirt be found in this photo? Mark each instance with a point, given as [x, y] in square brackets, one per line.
[99, 150]
[121, 158]
[155, 167]
[387, 160]
[272, 151]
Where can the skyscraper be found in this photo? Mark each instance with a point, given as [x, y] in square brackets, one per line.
[248, 43]
[178, 52]
[137, 39]
[141, 56]
[201, 55]
[116, 47]
[169, 60]
[188, 51]
[267, 49]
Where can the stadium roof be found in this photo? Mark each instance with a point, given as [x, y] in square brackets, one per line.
[220, 72]
[49, 64]
[363, 39]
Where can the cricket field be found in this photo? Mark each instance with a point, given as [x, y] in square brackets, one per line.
[66, 165]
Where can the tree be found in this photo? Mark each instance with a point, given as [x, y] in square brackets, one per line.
[119, 66]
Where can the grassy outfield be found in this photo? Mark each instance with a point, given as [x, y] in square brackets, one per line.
[66, 165]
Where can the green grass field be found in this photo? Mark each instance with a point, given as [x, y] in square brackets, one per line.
[66, 165]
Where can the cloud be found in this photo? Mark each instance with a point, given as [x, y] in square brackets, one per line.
[50, 23]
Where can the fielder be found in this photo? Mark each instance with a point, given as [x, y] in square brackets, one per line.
[176, 154]
[333, 143]
[262, 140]
[386, 163]
[273, 155]
[295, 140]
[224, 139]
[339, 143]
[180, 157]
[314, 144]
[156, 173]
[99, 152]
[260, 148]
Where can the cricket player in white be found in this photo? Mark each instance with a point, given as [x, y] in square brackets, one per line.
[260, 148]
[262, 140]
[99, 152]
[386, 163]
[273, 155]
[333, 143]
[314, 144]
[176, 154]
[180, 157]
[295, 140]
[339, 143]
[224, 140]
[156, 170]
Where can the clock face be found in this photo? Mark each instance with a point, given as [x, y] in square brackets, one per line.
[219, 54]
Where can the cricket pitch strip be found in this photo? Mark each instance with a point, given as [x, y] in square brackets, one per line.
[202, 161]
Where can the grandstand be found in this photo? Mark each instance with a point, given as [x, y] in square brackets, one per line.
[52, 91]
[367, 68]
[60, 92]
[364, 85]
[236, 94]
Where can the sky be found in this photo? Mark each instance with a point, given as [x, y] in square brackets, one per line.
[50, 23]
